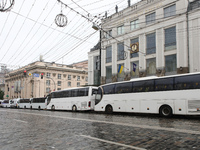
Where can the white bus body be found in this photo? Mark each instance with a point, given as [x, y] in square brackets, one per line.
[1, 101]
[23, 103]
[14, 103]
[75, 99]
[5, 103]
[168, 95]
[38, 103]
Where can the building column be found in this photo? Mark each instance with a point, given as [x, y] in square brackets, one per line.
[142, 55]
[182, 51]
[160, 58]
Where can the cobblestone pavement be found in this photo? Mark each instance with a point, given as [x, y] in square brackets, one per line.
[23, 129]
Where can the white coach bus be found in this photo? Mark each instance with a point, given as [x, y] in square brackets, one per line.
[38, 103]
[23, 103]
[75, 99]
[168, 95]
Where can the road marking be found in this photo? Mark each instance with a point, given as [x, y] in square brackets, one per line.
[110, 142]
[116, 123]
[20, 121]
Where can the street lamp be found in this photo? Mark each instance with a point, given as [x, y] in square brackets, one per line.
[95, 27]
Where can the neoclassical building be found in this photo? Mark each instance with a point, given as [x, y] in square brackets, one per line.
[55, 77]
[151, 37]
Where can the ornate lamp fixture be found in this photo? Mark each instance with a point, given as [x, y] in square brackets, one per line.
[6, 5]
[61, 20]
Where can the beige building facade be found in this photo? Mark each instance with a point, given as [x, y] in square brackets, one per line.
[55, 77]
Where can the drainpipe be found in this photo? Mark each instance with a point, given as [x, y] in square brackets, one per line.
[187, 20]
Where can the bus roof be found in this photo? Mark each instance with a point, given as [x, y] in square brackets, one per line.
[153, 77]
[74, 88]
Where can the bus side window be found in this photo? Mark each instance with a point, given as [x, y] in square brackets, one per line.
[164, 84]
[123, 88]
[109, 89]
[187, 82]
[143, 86]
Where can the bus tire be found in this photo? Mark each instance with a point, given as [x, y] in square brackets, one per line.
[39, 107]
[74, 108]
[24, 107]
[165, 111]
[53, 107]
[109, 109]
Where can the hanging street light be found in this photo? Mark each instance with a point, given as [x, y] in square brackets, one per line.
[6, 5]
[61, 20]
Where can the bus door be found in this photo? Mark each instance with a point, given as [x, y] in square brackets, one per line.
[93, 96]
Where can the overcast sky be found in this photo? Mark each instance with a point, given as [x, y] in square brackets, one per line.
[28, 30]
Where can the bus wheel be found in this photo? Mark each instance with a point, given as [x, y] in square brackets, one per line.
[74, 108]
[165, 111]
[38, 107]
[31, 107]
[109, 109]
[24, 107]
[52, 107]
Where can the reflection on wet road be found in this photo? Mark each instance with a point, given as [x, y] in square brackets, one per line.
[33, 129]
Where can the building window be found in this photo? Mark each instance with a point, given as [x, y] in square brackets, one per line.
[59, 76]
[151, 43]
[48, 75]
[134, 69]
[78, 78]
[108, 74]
[48, 90]
[69, 84]
[48, 82]
[120, 72]
[120, 51]
[170, 64]
[86, 79]
[170, 38]
[69, 77]
[136, 40]
[150, 18]
[96, 64]
[58, 89]
[151, 66]
[108, 54]
[78, 84]
[134, 24]
[109, 34]
[120, 30]
[59, 83]
[170, 11]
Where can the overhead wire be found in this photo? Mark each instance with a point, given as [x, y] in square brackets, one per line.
[64, 38]
[29, 33]
[19, 30]
[10, 30]
[5, 23]
[74, 43]
[76, 46]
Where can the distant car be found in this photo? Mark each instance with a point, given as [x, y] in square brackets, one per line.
[6, 103]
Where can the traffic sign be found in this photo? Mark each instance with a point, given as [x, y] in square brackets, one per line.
[36, 75]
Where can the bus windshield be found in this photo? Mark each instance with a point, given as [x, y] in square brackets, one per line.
[48, 98]
[98, 96]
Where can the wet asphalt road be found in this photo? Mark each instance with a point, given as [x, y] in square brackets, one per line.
[23, 129]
